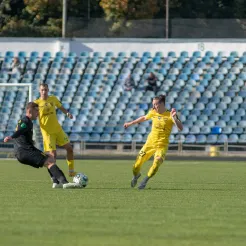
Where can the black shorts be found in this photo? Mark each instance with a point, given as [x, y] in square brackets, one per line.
[32, 157]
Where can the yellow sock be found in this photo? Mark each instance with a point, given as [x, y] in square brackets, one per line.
[70, 164]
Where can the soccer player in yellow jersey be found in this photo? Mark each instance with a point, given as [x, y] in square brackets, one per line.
[158, 139]
[51, 130]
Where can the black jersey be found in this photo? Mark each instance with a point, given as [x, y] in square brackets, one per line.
[23, 134]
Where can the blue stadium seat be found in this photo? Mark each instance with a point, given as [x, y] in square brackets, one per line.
[137, 138]
[119, 129]
[76, 129]
[109, 129]
[85, 137]
[22, 54]
[84, 54]
[105, 137]
[201, 139]
[34, 54]
[190, 139]
[208, 91]
[147, 54]
[216, 130]
[116, 137]
[194, 129]
[59, 54]
[233, 138]
[222, 138]
[9, 54]
[226, 130]
[209, 54]
[212, 139]
[196, 54]
[232, 123]
[206, 60]
[242, 138]
[94, 137]
[171, 54]
[76, 137]
[184, 54]
[126, 138]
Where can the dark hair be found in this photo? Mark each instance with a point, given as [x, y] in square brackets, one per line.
[44, 85]
[31, 105]
[160, 98]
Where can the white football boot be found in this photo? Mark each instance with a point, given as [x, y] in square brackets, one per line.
[57, 186]
[72, 186]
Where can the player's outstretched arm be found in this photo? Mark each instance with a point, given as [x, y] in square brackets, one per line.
[176, 120]
[70, 116]
[139, 120]
[6, 139]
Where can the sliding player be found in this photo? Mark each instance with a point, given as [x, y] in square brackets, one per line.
[27, 153]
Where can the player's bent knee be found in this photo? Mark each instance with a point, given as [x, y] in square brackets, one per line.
[48, 163]
[52, 153]
[159, 159]
[51, 160]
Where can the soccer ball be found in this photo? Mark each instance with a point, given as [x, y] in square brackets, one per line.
[81, 179]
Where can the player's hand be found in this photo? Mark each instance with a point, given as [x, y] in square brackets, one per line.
[7, 139]
[173, 112]
[70, 116]
[127, 124]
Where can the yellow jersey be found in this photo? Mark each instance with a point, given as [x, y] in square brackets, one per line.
[161, 128]
[47, 114]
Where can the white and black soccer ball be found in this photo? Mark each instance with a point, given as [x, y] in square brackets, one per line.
[81, 178]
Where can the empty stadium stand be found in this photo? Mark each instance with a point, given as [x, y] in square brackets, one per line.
[208, 91]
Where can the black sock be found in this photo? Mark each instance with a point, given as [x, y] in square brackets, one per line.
[53, 178]
[58, 174]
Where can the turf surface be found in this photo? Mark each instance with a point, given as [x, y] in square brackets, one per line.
[186, 203]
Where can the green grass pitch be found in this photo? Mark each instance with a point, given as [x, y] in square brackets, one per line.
[186, 203]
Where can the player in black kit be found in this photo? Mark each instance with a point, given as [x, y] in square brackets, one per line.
[26, 153]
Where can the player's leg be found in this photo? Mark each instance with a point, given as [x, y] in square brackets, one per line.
[52, 153]
[49, 142]
[55, 170]
[36, 158]
[70, 159]
[63, 140]
[144, 154]
[58, 174]
[158, 160]
[55, 182]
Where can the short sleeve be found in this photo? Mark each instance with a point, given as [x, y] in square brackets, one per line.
[21, 128]
[149, 115]
[36, 101]
[57, 102]
[23, 124]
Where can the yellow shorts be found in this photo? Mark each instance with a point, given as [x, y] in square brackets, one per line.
[149, 150]
[51, 140]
